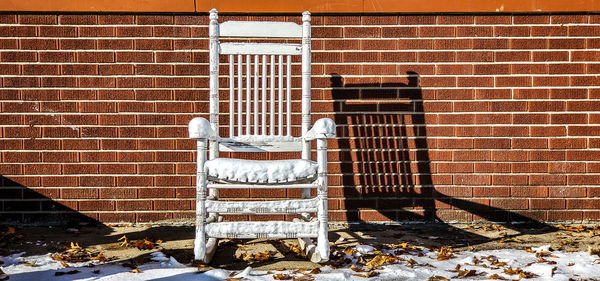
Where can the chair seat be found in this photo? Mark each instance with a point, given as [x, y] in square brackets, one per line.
[261, 171]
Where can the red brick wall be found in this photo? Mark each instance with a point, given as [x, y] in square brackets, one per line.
[454, 117]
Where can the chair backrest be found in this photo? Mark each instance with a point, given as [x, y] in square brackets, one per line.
[259, 78]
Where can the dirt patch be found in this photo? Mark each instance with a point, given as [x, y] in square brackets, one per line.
[177, 241]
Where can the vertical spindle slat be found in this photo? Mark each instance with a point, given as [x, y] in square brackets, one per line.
[272, 103]
[256, 95]
[264, 95]
[289, 95]
[248, 91]
[231, 94]
[280, 101]
[239, 101]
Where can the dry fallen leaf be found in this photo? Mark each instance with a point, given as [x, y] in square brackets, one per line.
[495, 276]
[282, 276]
[315, 271]
[367, 274]
[437, 278]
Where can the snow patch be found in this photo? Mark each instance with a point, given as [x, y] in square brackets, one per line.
[265, 172]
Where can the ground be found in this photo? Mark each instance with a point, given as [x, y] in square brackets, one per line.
[387, 247]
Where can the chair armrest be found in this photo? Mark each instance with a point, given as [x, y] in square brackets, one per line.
[199, 128]
[324, 128]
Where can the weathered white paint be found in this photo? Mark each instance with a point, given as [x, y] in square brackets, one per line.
[259, 229]
[261, 174]
[264, 207]
[263, 186]
[233, 146]
[260, 48]
[260, 29]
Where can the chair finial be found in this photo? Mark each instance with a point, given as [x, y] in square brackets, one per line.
[213, 14]
[306, 16]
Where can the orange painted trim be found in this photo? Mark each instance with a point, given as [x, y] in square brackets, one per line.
[315, 6]
[398, 6]
[98, 5]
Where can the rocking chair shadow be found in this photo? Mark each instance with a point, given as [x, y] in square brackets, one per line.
[386, 162]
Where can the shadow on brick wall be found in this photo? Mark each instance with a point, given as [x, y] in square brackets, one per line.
[385, 157]
[21, 205]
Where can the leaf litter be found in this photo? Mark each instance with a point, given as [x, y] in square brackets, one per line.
[404, 260]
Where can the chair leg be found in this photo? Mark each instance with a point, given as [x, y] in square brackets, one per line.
[323, 238]
[200, 241]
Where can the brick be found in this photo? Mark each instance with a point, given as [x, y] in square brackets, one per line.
[342, 45]
[153, 44]
[159, 192]
[135, 107]
[528, 44]
[95, 57]
[436, 31]
[512, 56]
[133, 205]
[491, 191]
[361, 32]
[512, 179]
[326, 32]
[565, 215]
[134, 82]
[97, 156]
[133, 57]
[529, 167]
[510, 155]
[510, 204]
[547, 203]
[5, 19]
[474, 56]
[56, 57]
[190, 19]
[369, 45]
[37, 19]
[583, 30]
[529, 191]
[38, 44]
[154, 19]
[566, 191]
[80, 169]
[566, 167]
[529, 118]
[495, 143]
[117, 169]
[529, 143]
[513, 131]
[537, 106]
[584, 131]
[569, 119]
[59, 157]
[585, 81]
[388, 57]
[78, 19]
[529, 69]
[134, 181]
[460, 69]
[492, 119]
[475, 81]
[118, 193]
[436, 56]
[398, 32]
[115, 44]
[455, 143]
[454, 167]
[173, 82]
[79, 193]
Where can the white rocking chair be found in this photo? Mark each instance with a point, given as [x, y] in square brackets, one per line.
[261, 128]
